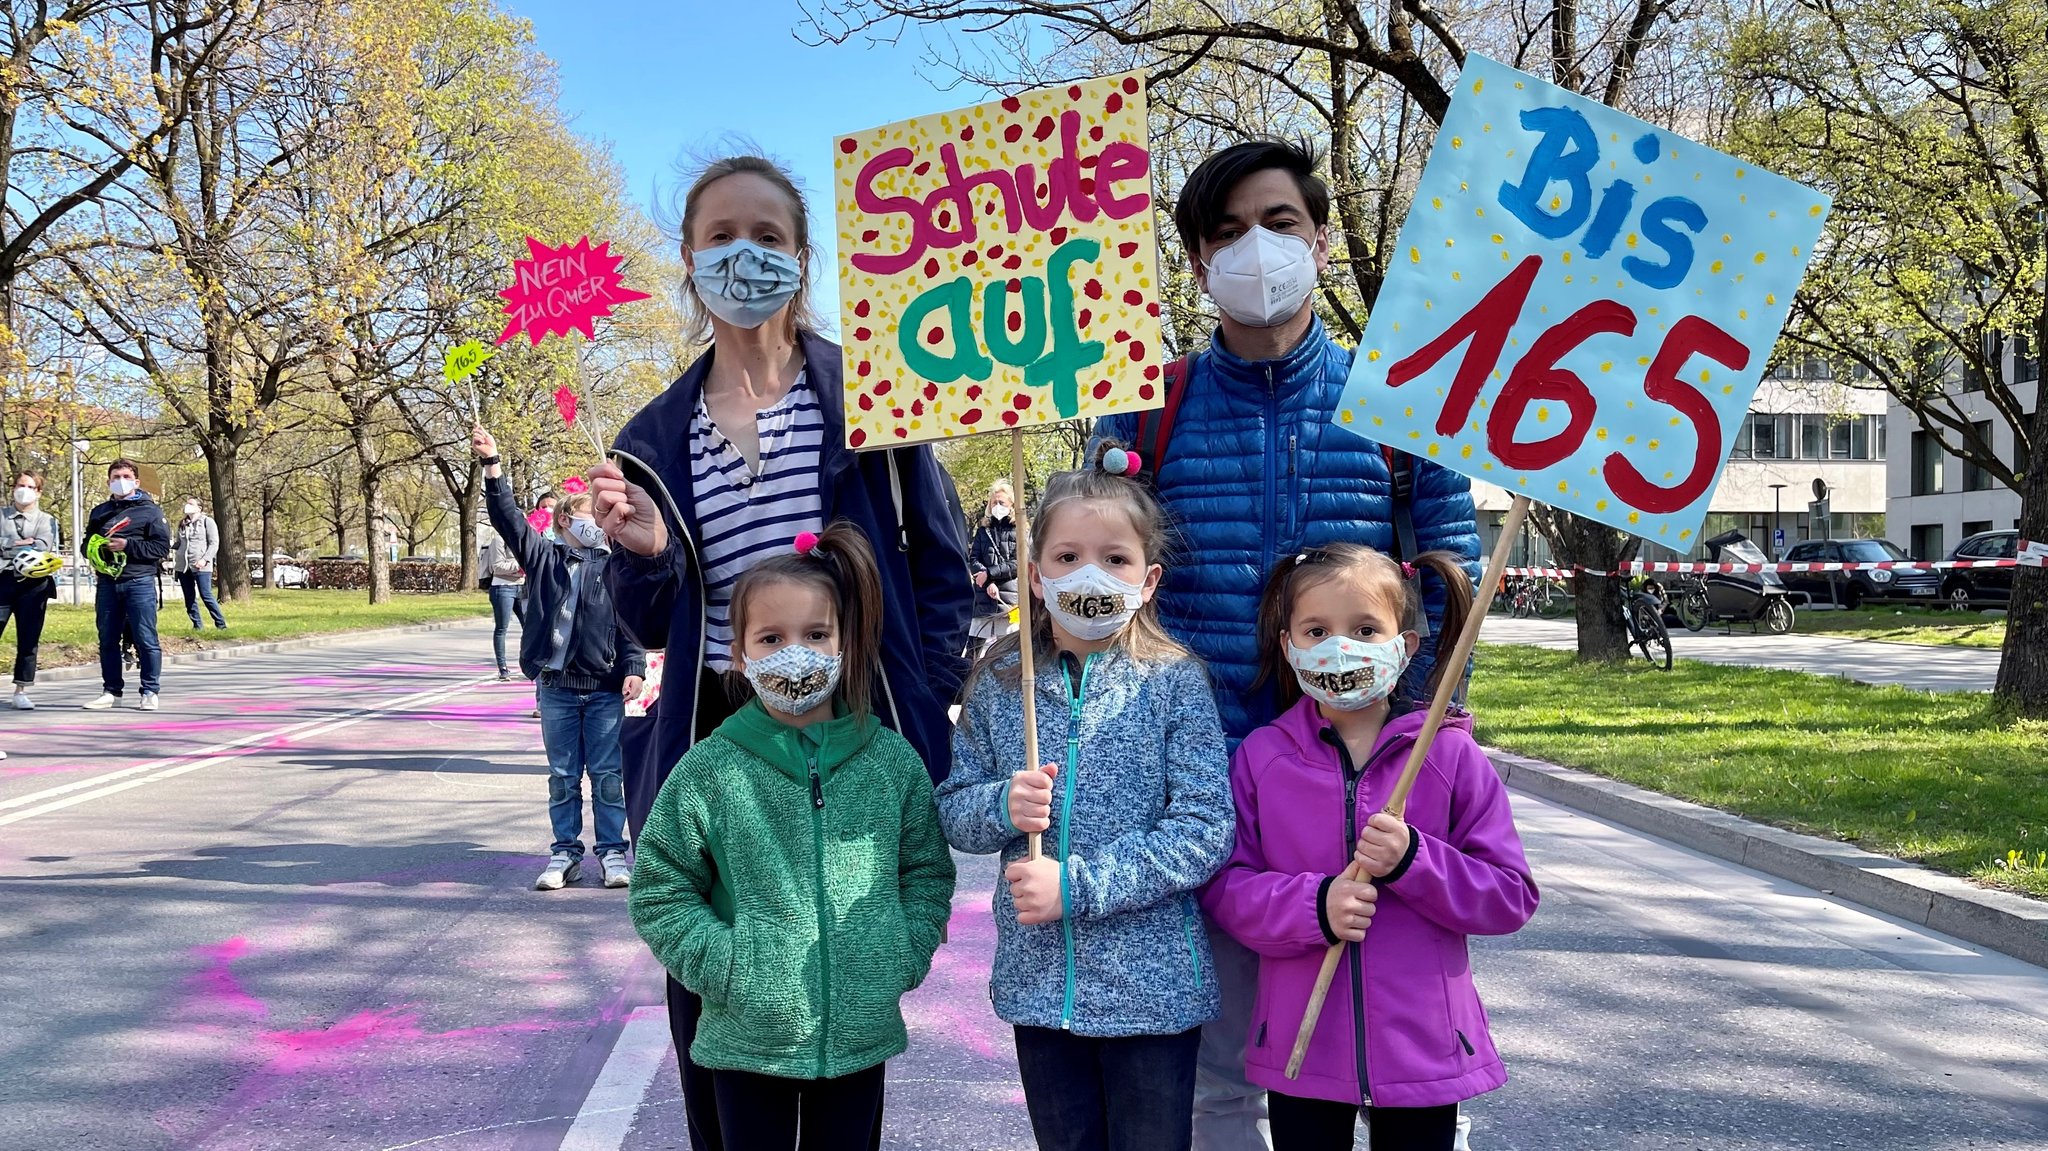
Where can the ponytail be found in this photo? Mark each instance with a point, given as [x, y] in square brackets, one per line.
[841, 563]
[1449, 568]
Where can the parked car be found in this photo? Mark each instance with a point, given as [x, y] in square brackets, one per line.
[1851, 588]
[284, 571]
[1965, 588]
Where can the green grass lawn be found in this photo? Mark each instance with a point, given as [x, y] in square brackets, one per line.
[1938, 779]
[1907, 625]
[68, 638]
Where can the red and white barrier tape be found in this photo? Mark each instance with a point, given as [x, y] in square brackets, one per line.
[1641, 566]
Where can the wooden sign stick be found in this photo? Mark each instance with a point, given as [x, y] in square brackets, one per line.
[1397, 803]
[1027, 678]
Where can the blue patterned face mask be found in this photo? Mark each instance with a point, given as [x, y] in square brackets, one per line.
[745, 284]
[1349, 674]
[794, 679]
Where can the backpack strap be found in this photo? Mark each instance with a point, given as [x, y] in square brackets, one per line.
[1155, 427]
[1401, 466]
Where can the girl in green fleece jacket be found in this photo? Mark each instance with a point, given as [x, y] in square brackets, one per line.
[792, 871]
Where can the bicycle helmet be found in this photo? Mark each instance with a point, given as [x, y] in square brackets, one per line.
[103, 559]
[36, 563]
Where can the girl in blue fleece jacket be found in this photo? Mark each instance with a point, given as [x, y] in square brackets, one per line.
[1102, 964]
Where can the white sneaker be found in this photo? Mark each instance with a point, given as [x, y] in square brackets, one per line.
[617, 872]
[22, 702]
[148, 701]
[103, 701]
[563, 869]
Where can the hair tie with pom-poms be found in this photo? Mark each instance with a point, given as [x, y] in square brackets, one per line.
[806, 543]
[1407, 570]
[1122, 462]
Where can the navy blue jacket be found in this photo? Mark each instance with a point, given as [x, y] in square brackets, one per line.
[602, 655]
[901, 499]
[1256, 469]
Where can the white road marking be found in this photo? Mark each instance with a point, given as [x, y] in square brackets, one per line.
[218, 753]
[614, 1100]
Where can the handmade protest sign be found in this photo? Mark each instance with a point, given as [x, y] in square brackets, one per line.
[998, 267]
[1580, 305]
[565, 289]
[1579, 309]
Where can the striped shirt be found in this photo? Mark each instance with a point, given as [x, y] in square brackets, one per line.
[745, 515]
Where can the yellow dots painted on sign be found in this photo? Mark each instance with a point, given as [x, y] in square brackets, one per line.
[1415, 255]
[1373, 356]
[1760, 257]
[1643, 361]
[1378, 422]
[1408, 412]
[1479, 212]
[1599, 505]
[1741, 172]
[1437, 202]
[1566, 256]
[1635, 517]
[1705, 375]
[1567, 279]
[1556, 202]
[1457, 141]
[1629, 440]
[1814, 211]
[1414, 435]
[1655, 444]
[1607, 365]
[1498, 239]
[1457, 276]
[1563, 486]
[1726, 238]
[1345, 415]
[1434, 449]
[1770, 297]
[1506, 255]
[1450, 242]
[1653, 311]
[1542, 415]
[1715, 267]
[1742, 313]
[1476, 86]
[1466, 451]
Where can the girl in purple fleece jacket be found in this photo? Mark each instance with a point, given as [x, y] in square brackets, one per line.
[1402, 1034]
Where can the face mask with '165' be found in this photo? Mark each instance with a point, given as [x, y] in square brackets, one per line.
[1091, 604]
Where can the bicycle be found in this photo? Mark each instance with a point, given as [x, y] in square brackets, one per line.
[1642, 614]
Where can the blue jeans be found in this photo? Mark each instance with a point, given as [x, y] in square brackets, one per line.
[198, 587]
[504, 604]
[580, 730]
[1088, 1094]
[128, 605]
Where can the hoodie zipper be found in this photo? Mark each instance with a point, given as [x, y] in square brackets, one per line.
[1077, 694]
[1352, 777]
[824, 916]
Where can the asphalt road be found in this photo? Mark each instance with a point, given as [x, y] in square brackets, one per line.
[292, 910]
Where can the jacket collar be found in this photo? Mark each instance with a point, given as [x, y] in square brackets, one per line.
[1263, 378]
[790, 750]
[1304, 725]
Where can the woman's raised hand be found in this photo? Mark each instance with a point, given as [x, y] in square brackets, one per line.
[626, 512]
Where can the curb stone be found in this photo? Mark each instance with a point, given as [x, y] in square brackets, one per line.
[1999, 920]
[297, 643]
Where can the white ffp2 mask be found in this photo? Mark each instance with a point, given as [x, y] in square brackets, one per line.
[1262, 278]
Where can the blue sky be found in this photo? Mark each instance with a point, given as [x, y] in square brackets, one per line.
[658, 78]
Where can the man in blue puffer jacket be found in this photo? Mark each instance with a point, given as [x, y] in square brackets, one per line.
[1254, 469]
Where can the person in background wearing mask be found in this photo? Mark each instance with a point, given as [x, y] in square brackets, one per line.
[126, 538]
[508, 582]
[992, 558]
[26, 531]
[1258, 403]
[197, 547]
[585, 665]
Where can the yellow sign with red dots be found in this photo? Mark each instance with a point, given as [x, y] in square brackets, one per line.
[998, 267]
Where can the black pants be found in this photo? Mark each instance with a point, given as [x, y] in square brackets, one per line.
[1320, 1125]
[30, 606]
[769, 1113]
[1087, 1094]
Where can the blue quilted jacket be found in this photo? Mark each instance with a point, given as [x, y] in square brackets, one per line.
[1255, 469]
[1141, 817]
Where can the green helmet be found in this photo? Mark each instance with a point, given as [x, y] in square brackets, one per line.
[103, 559]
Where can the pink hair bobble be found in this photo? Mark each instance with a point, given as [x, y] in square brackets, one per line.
[1407, 570]
[806, 542]
[1121, 462]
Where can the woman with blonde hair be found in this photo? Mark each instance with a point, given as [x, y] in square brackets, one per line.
[992, 560]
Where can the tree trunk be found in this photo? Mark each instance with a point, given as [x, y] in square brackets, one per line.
[1602, 637]
[268, 498]
[373, 535]
[230, 568]
[466, 545]
[2023, 665]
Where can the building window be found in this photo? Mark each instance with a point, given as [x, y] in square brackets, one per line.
[2026, 366]
[1975, 527]
[1813, 437]
[1976, 479]
[1816, 368]
[1742, 446]
[1883, 426]
[1927, 461]
[1927, 541]
[1772, 437]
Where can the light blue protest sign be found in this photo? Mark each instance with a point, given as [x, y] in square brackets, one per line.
[1580, 305]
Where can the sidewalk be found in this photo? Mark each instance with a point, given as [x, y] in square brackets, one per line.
[1917, 666]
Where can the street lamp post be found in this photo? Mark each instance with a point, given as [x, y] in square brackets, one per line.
[78, 448]
[1777, 510]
